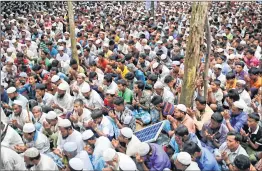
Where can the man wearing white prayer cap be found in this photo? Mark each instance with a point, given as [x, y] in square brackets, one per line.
[161, 70]
[11, 160]
[76, 164]
[129, 139]
[184, 162]
[63, 102]
[243, 94]
[20, 116]
[68, 134]
[14, 95]
[78, 85]
[62, 56]
[164, 92]
[33, 138]
[38, 161]
[57, 81]
[113, 159]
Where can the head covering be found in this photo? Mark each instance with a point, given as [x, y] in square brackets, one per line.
[31, 152]
[18, 102]
[60, 48]
[70, 146]
[109, 154]
[86, 89]
[110, 91]
[155, 65]
[218, 66]
[55, 78]
[159, 42]
[106, 45]
[176, 63]
[163, 56]
[184, 158]
[87, 134]
[28, 128]
[51, 115]
[143, 149]
[241, 82]
[126, 132]
[239, 104]
[23, 74]
[9, 50]
[82, 75]
[126, 165]
[64, 123]
[182, 107]
[62, 86]
[147, 47]
[158, 84]
[11, 90]
[76, 164]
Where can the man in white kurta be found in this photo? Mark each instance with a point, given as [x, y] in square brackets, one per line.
[11, 160]
[92, 100]
[78, 85]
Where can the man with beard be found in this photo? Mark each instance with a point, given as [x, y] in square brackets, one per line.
[80, 115]
[56, 80]
[243, 94]
[184, 162]
[42, 97]
[63, 102]
[78, 85]
[92, 100]
[19, 116]
[161, 70]
[14, 95]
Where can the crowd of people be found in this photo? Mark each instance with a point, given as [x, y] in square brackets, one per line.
[60, 113]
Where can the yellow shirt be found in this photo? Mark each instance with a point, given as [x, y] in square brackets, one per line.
[108, 54]
[124, 72]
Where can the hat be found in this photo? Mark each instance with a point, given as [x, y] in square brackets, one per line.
[9, 50]
[159, 42]
[158, 84]
[109, 154]
[239, 104]
[170, 38]
[218, 66]
[60, 48]
[85, 89]
[147, 47]
[181, 107]
[163, 57]
[66, 32]
[62, 86]
[184, 158]
[64, 123]
[11, 90]
[70, 146]
[177, 63]
[28, 128]
[143, 149]
[241, 82]
[31, 152]
[219, 50]
[110, 91]
[82, 75]
[87, 134]
[54, 25]
[51, 115]
[106, 45]
[18, 102]
[98, 41]
[28, 39]
[126, 132]
[131, 67]
[55, 78]
[76, 164]
[155, 65]
[23, 74]
[127, 165]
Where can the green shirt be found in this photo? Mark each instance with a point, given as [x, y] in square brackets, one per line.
[127, 95]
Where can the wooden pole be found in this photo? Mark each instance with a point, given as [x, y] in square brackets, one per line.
[208, 37]
[153, 9]
[197, 22]
[72, 30]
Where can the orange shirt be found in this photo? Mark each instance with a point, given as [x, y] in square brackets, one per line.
[231, 86]
[102, 63]
[256, 84]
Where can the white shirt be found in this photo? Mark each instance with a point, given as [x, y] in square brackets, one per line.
[102, 143]
[12, 138]
[83, 155]
[22, 118]
[12, 161]
[165, 72]
[245, 97]
[45, 163]
[47, 99]
[95, 101]
[113, 86]
[193, 167]
[3, 116]
[79, 88]
[40, 141]
[106, 127]
[21, 98]
[132, 146]
[66, 103]
[64, 58]
[74, 137]
[168, 96]
[86, 115]
[221, 78]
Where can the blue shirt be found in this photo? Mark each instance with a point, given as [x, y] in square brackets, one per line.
[27, 89]
[4, 97]
[53, 52]
[225, 68]
[207, 161]
[140, 76]
[238, 121]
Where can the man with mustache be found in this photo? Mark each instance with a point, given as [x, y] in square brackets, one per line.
[63, 102]
[14, 95]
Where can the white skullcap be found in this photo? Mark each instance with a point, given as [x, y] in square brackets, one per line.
[23, 74]
[121, 39]
[10, 60]
[126, 132]
[184, 158]
[143, 149]
[60, 41]
[9, 50]
[64, 123]
[66, 32]
[219, 50]
[110, 91]
[109, 154]
[147, 47]
[163, 57]
[158, 84]
[13, 41]
[6, 40]
[159, 42]
[177, 63]
[239, 104]
[28, 39]
[98, 41]
[106, 45]
[54, 24]
[82, 75]
[55, 78]
[70, 146]
[170, 38]
[51, 115]
[18, 102]
[28, 128]
[218, 66]
[87, 134]
[85, 89]
[232, 56]
[76, 164]
[241, 82]
[155, 65]
[62, 86]
[182, 107]
[60, 48]
[126, 165]
[31, 152]
[11, 90]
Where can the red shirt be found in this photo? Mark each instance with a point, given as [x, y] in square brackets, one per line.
[253, 62]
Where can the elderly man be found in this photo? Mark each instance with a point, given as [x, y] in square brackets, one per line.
[56, 80]
[162, 91]
[63, 102]
[243, 94]
[78, 85]
[39, 117]
[14, 95]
